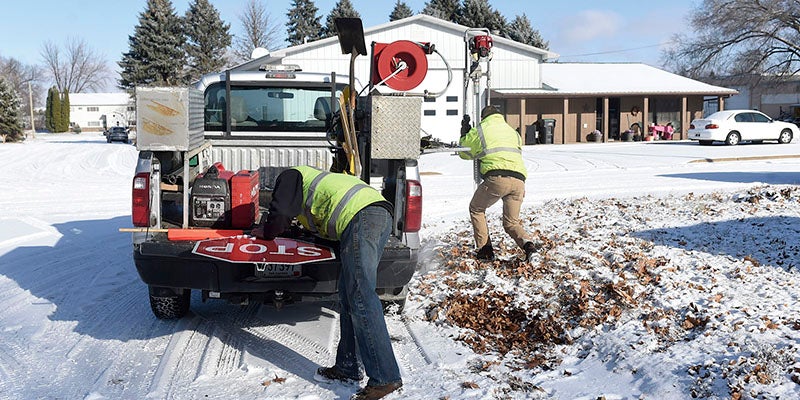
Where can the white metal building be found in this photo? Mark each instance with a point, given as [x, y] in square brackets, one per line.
[513, 65]
[91, 110]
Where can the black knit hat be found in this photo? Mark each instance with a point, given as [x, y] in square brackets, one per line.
[489, 110]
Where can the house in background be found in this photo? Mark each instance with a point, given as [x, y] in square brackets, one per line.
[99, 111]
[580, 98]
[575, 98]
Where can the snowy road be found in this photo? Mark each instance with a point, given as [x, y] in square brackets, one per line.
[75, 322]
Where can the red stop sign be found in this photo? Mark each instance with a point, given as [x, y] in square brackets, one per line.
[245, 249]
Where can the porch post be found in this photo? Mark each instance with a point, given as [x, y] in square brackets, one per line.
[522, 129]
[564, 121]
[605, 118]
[684, 117]
[645, 113]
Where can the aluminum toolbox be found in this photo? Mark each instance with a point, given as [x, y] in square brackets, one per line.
[169, 118]
[396, 127]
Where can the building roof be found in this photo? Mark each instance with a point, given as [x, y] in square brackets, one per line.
[419, 19]
[575, 79]
[99, 99]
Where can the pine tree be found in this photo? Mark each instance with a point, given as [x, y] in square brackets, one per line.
[48, 114]
[479, 14]
[156, 53]
[303, 22]
[447, 10]
[64, 124]
[520, 30]
[54, 109]
[401, 10]
[10, 127]
[207, 39]
[342, 9]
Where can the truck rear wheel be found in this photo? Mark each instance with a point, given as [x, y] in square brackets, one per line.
[170, 305]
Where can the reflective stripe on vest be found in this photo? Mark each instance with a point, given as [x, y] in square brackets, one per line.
[330, 229]
[486, 151]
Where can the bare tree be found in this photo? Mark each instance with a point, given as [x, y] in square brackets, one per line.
[77, 68]
[19, 76]
[739, 37]
[258, 30]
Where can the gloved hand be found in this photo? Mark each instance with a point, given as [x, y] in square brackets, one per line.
[465, 126]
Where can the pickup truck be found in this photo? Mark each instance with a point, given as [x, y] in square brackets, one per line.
[265, 120]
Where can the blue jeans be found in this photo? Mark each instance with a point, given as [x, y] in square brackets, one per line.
[361, 323]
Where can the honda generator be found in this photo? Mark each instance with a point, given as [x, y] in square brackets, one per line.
[222, 199]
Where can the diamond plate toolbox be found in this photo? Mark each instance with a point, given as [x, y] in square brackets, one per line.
[396, 127]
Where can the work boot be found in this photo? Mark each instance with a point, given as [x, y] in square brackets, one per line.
[531, 248]
[485, 253]
[331, 374]
[376, 392]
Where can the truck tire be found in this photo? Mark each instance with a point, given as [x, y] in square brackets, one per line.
[171, 307]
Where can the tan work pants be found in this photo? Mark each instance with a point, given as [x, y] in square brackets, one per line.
[493, 188]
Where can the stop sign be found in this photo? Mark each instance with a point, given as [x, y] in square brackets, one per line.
[245, 249]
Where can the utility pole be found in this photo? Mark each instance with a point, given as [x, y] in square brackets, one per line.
[30, 98]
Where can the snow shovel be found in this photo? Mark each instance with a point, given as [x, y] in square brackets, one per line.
[351, 40]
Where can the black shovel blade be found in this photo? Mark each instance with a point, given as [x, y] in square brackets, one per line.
[351, 35]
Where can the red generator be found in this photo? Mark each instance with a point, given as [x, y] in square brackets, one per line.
[244, 199]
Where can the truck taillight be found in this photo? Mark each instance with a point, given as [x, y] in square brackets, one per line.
[140, 209]
[413, 206]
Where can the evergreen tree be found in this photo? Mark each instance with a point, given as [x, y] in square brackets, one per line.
[479, 14]
[54, 109]
[520, 30]
[207, 39]
[447, 10]
[156, 53]
[64, 123]
[303, 22]
[401, 10]
[48, 113]
[10, 127]
[342, 9]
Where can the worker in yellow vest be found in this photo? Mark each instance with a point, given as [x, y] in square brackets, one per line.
[342, 207]
[498, 146]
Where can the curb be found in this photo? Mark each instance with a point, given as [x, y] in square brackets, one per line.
[712, 160]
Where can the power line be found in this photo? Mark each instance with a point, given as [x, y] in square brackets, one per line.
[619, 51]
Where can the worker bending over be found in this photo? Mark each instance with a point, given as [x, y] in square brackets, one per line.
[344, 208]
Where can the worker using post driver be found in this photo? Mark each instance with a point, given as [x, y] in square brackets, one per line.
[498, 146]
[342, 207]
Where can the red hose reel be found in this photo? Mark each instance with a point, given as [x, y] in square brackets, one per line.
[388, 58]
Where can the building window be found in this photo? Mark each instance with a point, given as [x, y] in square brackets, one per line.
[429, 112]
[430, 99]
[95, 109]
[94, 123]
[452, 99]
[452, 112]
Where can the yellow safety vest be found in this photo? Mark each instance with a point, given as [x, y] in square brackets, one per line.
[331, 200]
[496, 144]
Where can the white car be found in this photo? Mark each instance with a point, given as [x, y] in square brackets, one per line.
[734, 126]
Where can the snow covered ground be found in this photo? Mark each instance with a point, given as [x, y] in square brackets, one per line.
[669, 270]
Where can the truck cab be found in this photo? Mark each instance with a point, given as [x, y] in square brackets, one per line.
[257, 122]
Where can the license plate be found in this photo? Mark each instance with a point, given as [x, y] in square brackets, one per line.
[266, 270]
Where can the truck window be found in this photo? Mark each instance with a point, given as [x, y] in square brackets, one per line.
[269, 109]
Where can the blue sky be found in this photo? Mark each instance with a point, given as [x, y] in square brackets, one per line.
[578, 30]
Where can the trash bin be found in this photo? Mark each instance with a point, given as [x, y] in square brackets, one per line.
[547, 127]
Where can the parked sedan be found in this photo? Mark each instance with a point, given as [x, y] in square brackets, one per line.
[118, 134]
[734, 126]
